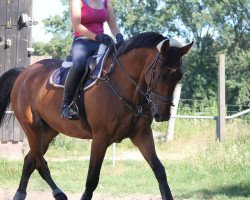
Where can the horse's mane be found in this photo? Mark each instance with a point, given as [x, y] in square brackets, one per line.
[142, 40]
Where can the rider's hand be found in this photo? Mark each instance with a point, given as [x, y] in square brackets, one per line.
[104, 39]
[119, 38]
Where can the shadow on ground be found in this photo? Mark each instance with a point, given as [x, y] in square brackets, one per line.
[231, 191]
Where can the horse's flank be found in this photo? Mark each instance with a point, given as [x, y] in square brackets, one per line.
[42, 107]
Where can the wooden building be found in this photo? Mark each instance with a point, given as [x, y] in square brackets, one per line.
[15, 44]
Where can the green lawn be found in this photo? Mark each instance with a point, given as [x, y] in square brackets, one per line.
[197, 166]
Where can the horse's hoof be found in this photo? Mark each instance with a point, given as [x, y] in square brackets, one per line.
[60, 196]
[19, 196]
[86, 196]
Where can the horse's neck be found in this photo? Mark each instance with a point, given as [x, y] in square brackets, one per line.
[134, 64]
[141, 63]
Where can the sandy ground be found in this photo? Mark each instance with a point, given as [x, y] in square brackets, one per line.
[38, 195]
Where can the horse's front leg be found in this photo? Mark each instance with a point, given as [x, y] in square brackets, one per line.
[144, 141]
[98, 150]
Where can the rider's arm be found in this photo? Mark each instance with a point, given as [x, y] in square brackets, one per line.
[112, 20]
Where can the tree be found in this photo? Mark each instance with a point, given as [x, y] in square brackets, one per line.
[136, 16]
[58, 47]
[60, 27]
[231, 20]
[217, 26]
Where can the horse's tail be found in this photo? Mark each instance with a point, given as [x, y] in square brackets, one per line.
[7, 81]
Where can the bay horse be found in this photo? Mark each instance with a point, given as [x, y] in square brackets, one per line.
[136, 86]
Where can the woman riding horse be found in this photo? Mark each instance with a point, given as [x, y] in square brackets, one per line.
[87, 18]
[136, 85]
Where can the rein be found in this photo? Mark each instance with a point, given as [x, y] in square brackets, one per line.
[138, 108]
[149, 94]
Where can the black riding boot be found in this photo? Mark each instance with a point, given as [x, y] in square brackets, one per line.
[71, 84]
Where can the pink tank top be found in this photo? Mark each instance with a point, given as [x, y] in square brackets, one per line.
[93, 19]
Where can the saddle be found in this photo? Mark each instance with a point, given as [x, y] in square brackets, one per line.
[94, 66]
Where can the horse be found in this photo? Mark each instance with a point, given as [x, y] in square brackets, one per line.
[136, 87]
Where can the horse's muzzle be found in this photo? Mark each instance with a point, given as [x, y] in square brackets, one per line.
[159, 118]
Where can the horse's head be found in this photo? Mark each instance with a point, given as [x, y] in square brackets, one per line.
[163, 75]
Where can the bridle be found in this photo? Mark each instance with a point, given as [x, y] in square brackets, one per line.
[150, 92]
[150, 89]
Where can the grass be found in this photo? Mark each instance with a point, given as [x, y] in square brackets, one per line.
[197, 166]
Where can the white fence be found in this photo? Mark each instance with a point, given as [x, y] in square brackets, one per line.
[170, 138]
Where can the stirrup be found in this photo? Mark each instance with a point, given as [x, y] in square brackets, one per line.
[68, 113]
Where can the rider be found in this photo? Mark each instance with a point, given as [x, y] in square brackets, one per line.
[87, 17]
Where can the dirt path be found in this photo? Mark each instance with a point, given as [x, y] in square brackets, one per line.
[38, 195]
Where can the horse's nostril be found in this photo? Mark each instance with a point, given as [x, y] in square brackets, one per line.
[157, 117]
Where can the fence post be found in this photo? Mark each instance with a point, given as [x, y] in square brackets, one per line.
[221, 93]
[171, 122]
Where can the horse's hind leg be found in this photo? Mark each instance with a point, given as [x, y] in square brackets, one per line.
[144, 141]
[39, 143]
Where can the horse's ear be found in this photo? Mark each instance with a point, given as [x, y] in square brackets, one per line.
[162, 47]
[185, 49]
